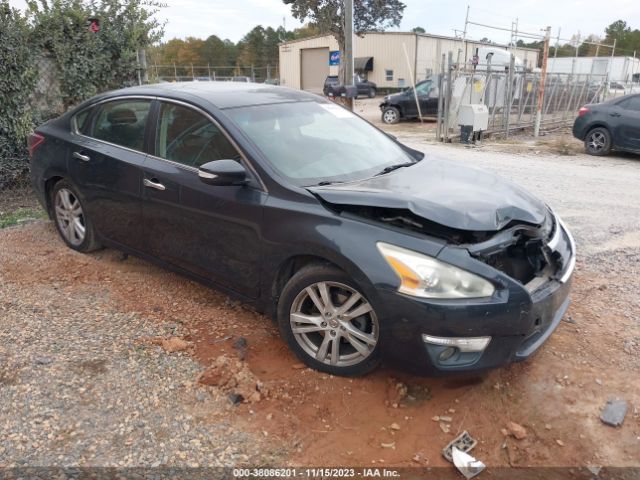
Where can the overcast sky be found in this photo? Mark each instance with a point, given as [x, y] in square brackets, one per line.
[233, 18]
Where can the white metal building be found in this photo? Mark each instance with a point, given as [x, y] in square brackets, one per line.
[620, 69]
[379, 56]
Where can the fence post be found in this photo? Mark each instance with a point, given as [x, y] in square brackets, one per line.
[175, 72]
[543, 75]
[440, 99]
[509, 95]
[253, 74]
[268, 72]
[449, 93]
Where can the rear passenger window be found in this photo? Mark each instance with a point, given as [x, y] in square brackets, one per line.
[188, 137]
[122, 122]
[80, 120]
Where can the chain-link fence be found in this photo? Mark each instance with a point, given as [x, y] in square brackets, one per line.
[187, 73]
[513, 97]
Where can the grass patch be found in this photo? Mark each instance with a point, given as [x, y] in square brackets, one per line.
[9, 219]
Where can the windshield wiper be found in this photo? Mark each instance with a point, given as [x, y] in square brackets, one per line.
[391, 168]
[324, 183]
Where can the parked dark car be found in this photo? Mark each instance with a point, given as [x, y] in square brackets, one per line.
[614, 124]
[402, 105]
[332, 87]
[361, 248]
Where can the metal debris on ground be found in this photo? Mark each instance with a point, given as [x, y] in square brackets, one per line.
[463, 442]
[241, 346]
[614, 412]
[235, 398]
[466, 464]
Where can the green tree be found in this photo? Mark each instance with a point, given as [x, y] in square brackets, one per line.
[17, 80]
[328, 15]
[89, 62]
[418, 30]
[219, 52]
[306, 31]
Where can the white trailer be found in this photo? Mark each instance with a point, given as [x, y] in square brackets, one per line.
[619, 69]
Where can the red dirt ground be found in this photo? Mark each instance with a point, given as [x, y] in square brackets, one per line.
[329, 421]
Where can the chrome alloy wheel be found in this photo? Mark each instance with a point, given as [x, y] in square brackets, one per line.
[69, 216]
[334, 324]
[390, 116]
[597, 141]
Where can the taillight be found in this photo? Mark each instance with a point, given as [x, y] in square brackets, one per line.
[33, 142]
[582, 111]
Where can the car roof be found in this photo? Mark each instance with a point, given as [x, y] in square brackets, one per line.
[221, 94]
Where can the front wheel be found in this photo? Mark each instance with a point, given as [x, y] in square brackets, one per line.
[328, 322]
[391, 115]
[71, 221]
[598, 142]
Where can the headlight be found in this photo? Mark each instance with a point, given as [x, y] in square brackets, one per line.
[424, 276]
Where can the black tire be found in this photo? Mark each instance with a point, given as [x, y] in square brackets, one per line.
[598, 142]
[64, 223]
[372, 92]
[349, 358]
[391, 115]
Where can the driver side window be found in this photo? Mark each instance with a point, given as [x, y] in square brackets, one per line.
[188, 137]
[423, 89]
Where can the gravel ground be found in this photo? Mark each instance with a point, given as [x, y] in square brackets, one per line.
[79, 385]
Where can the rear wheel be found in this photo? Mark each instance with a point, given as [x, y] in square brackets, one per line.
[391, 115]
[598, 141]
[372, 92]
[328, 322]
[70, 218]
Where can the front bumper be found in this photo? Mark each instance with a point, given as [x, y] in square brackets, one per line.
[517, 321]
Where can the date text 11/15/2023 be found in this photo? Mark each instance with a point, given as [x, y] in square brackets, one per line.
[315, 473]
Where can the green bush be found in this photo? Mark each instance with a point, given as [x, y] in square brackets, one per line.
[17, 81]
[50, 60]
[88, 62]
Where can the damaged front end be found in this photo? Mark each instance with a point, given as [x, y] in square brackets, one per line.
[529, 254]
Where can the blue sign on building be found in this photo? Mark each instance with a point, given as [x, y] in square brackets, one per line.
[334, 58]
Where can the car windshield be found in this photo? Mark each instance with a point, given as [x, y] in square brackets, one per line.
[311, 143]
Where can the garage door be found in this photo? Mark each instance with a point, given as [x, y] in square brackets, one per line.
[315, 68]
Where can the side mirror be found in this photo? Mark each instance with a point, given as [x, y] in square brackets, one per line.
[222, 173]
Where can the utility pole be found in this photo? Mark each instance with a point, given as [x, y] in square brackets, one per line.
[464, 35]
[348, 46]
[543, 77]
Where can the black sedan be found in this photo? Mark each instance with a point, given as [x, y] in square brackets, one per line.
[402, 105]
[612, 125]
[361, 248]
[332, 87]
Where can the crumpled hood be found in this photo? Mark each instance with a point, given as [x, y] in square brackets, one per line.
[448, 193]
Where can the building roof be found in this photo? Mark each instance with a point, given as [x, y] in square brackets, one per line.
[220, 94]
[427, 35]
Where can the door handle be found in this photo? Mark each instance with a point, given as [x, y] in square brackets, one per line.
[614, 114]
[155, 185]
[80, 156]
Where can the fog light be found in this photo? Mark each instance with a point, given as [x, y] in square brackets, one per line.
[464, 344]
[446, 354]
